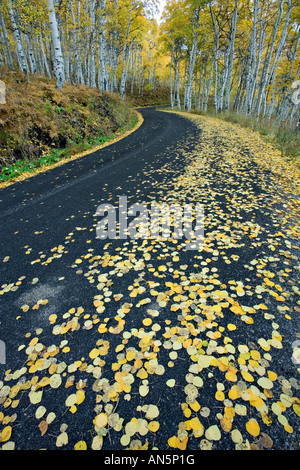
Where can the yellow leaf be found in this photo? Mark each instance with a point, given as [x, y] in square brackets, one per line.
[94, 353]
[181, 444]
[73, 409]
[234, 392]
[288, 429]
[252, 427]
[142, 374]
[195, 424]
[226, 424]
[101, 420]
[162, 268]
[52, 318]
[219, 395]
[255, 355]
[5, 434]
[144, 341]
[80, 396]
[102, 328]
[296, 409]
[247, 376]
[172, 441]
[195, 406]
[231, 376]
[272, 375]
[229, 412]
[44, 382]
[130, 355]
[80, 445]
[153, 426]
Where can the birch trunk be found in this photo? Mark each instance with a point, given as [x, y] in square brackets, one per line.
[223, 79]
[77, 58]
[171, 78]
[125, 47]
[274, 68]
[93, 44]
[231, 55]
[44, 58]
[215, 63]
[192, 61]
[177, 82]
[9, 61]
[102, 75]
[284, 104]
[18, 41]
[251, 60]
[31, 55]
[59, 67]
[265, 71]
[262, 27]
[210, 79]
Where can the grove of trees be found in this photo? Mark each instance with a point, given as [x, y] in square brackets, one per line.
[232, 55]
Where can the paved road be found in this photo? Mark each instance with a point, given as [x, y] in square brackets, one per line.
[76, 310]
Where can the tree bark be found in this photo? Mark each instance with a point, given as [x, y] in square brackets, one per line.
[231, 55]
[265, 71]
[192, 61]
[125, 47]
[18, 41]
[93, 44]
[59, 67]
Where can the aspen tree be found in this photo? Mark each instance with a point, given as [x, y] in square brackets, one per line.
[59, 67]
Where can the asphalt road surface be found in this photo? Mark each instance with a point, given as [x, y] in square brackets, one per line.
[95, 331]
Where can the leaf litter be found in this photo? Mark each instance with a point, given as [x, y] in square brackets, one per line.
[201, 336]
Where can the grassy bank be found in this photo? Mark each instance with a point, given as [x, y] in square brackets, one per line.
[283, 136]
[41, 125]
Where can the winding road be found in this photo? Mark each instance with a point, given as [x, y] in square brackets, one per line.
[141, 344]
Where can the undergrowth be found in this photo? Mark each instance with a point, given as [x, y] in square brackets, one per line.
[40, 124]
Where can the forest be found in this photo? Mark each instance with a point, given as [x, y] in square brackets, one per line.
[237, 56]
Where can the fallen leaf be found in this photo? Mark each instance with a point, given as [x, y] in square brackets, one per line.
[252, 427]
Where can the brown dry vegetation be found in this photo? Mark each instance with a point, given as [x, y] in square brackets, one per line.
[39, 118]
[160, 95]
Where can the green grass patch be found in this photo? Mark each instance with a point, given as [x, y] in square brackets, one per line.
[14, 170]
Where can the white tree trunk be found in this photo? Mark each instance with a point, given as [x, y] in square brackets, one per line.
[31, 56]
[45, 62]
[9, 60]
[125, 47]
[171, 78]
[77, 58]
[231, 55]
[192, 61]
[59, 67]
[18, 41]
[265, 71]
[93, 44]
[251, 60]
[274, 68]
[215, 62]
[102, 74]
[223, 79]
